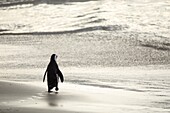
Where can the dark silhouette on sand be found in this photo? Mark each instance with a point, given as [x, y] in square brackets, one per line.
[53, 74]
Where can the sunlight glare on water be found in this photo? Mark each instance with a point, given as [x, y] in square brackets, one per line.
[140, 16]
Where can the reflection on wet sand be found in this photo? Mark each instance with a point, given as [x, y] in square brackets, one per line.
[52, 99]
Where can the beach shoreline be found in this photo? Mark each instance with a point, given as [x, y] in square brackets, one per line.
[114, 55]
[103, 73]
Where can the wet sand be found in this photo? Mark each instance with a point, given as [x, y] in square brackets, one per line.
[30, 98]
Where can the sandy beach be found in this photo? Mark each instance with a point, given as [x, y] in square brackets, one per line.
[27, 98]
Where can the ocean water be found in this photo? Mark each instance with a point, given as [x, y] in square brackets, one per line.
[116, 44]
[147, 16]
